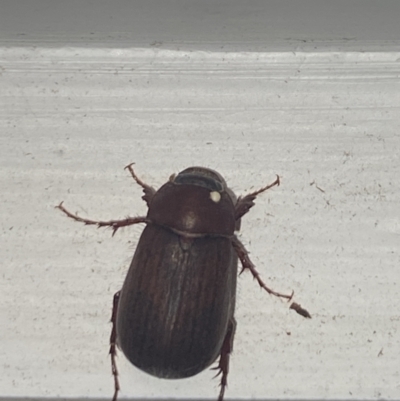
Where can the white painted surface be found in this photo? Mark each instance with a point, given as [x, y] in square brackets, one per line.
[326, 121]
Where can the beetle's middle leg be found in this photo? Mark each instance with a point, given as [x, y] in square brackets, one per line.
[113, 345]
[226, 350]
[114, 224]
[248, 264]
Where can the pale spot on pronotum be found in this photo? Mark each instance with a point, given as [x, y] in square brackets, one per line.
[189, 220]
[215, 196]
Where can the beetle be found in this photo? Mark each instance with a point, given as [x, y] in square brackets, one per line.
[174, 315]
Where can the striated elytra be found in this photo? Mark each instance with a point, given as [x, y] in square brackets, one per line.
[174, 315]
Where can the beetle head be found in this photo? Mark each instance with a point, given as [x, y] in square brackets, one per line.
[202, 177]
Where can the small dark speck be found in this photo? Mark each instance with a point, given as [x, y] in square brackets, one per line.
[156, 43]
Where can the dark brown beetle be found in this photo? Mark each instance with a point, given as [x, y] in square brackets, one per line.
[175, 313]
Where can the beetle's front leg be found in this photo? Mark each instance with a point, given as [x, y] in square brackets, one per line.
[149, 191]
[114, 224]
[243, 205]
[113, 345]
[226, 350]
[248, 264]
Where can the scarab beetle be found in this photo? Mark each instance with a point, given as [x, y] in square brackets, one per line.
[174, 315]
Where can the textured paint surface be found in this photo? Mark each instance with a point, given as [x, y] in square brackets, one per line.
[326, 121]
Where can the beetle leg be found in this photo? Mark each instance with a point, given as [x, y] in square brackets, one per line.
[114, 224]
[226, 350]
[248, 264]
[113, 345]
[243, 205]
[147, 189]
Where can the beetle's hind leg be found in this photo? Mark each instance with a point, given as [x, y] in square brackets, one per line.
[248, 264]
[243, 205]
[113, 345]
[114, 224]
[147, 189]
[226, 350]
